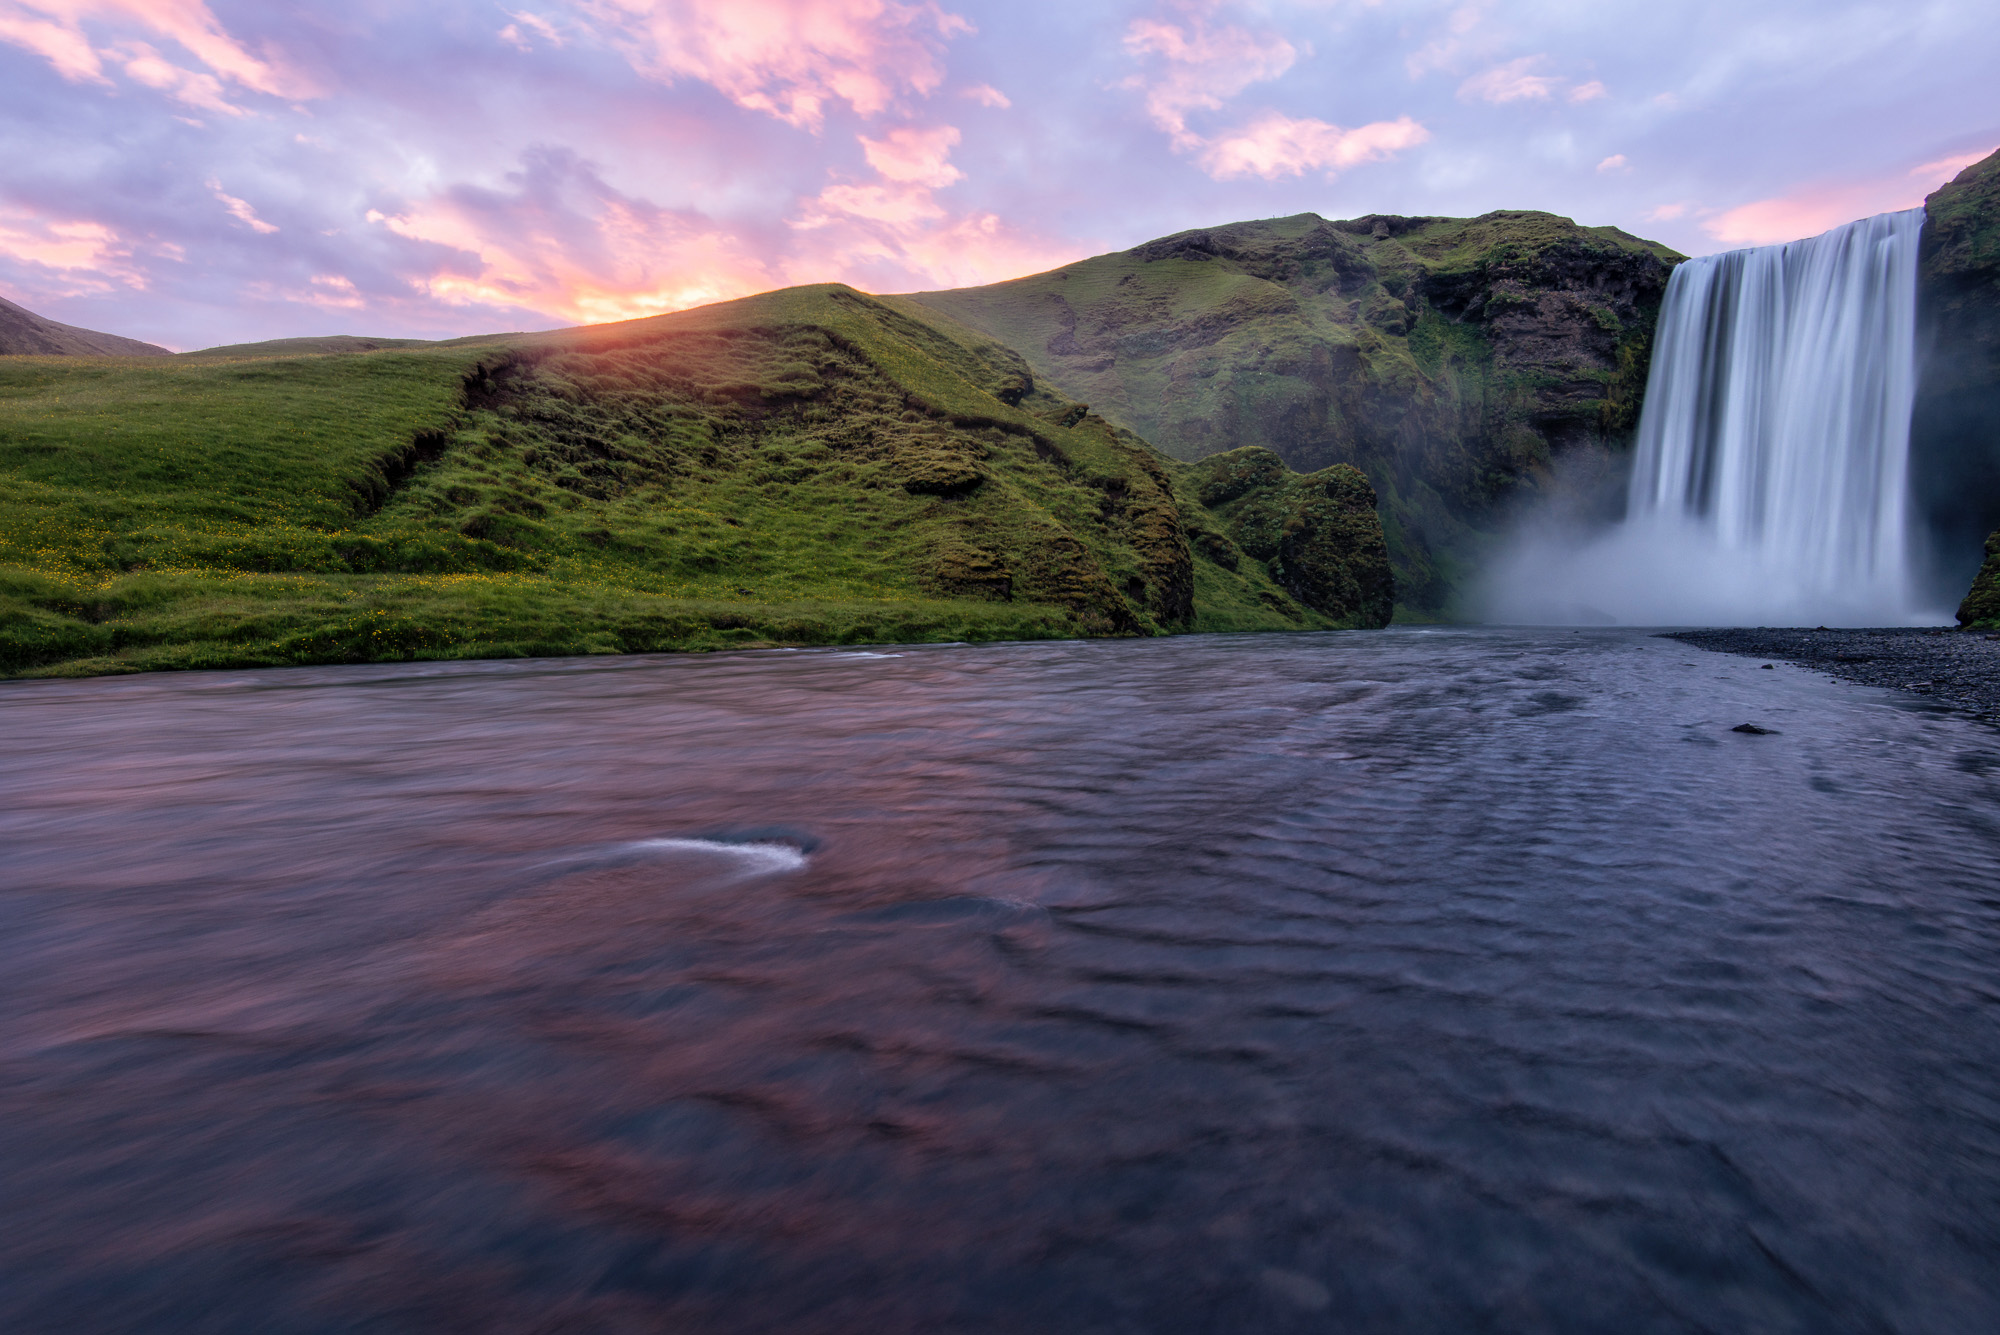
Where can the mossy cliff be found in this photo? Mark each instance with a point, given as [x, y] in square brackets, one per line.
[1955, 429]
[1316, 533]
[1981, 608]
[1452, 360]
[806, 466]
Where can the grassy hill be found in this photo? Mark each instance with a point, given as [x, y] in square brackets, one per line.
[26, 334]
[1454, 360]
[806, 466]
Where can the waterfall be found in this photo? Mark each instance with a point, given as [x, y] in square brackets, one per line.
[1770, 483]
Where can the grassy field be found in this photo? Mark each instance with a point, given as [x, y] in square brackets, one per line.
[808, 466]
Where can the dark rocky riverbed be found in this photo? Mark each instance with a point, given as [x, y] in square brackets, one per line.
[1956, 667]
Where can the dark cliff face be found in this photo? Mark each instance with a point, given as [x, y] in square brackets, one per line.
[1455, 361]
[1955, 430]
[1982, 604]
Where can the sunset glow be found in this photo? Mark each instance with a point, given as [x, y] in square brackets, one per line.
[196, 173]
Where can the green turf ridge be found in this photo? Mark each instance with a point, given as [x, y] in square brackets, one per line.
[811, 466]
[1455, 361]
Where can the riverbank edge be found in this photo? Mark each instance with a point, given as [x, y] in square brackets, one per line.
[1958, 668]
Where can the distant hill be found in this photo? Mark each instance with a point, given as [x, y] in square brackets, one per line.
[808, 466]
[26, 334]
[1455, 361]
[334, 343]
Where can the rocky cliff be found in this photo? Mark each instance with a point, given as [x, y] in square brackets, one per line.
[1981, 607]
[26, 334]
[1955, 430]
[1454, 361]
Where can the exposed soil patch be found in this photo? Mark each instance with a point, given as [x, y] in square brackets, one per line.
[1956, 667]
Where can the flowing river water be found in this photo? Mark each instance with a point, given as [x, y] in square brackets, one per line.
[1442, 980]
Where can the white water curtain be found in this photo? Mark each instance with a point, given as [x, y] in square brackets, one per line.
[1778, 409]
[1771, 480]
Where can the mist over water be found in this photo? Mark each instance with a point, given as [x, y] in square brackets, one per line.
[1770, 484]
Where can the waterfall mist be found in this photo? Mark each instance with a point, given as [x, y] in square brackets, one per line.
[1770, 483]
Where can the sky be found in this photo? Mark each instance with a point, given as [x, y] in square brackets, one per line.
[199, 173]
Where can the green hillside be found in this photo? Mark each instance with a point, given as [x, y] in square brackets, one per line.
[806, 466]
[1453, 360]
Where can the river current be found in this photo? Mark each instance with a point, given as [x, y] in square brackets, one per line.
[1428, 980]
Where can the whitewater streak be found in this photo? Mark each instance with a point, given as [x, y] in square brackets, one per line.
[1770, 484]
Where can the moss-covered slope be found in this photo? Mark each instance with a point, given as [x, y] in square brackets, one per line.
[807, 466]
[1955, 430]
[1317, 533]
[1451, 359]
[1981, 608]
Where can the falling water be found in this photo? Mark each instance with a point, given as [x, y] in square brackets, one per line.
[1770, 483]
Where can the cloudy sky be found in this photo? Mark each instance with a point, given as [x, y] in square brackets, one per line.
[195, 173]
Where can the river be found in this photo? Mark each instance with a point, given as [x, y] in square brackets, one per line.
[1424, 980]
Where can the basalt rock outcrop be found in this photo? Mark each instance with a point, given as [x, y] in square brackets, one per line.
[1455, 361]
[1955, 428]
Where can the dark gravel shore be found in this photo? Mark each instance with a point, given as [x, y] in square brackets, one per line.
[1954, 667]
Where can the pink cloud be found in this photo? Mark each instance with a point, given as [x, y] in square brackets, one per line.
[561, 242]
[1612, 163]
[967, 251]
[1275, 145]
[56, 31]
[912, 243]
[1588, 92]
[896, 232]
[986, 95]
[1809, 212]
[1812, 210]
[241, 211]
[518, 33]
[63, 45]
[1945, 168]
[788, 58]
[1197, 65]
[328, 292]
[896, 205]
[334, 291]
[144, 65]
[1200, 68]
[615, 261]
[1511, 82]
[77, 255]
[920, 157]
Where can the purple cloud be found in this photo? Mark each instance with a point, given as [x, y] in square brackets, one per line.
[192, 173]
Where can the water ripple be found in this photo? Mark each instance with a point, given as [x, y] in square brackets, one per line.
[1417, 981]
